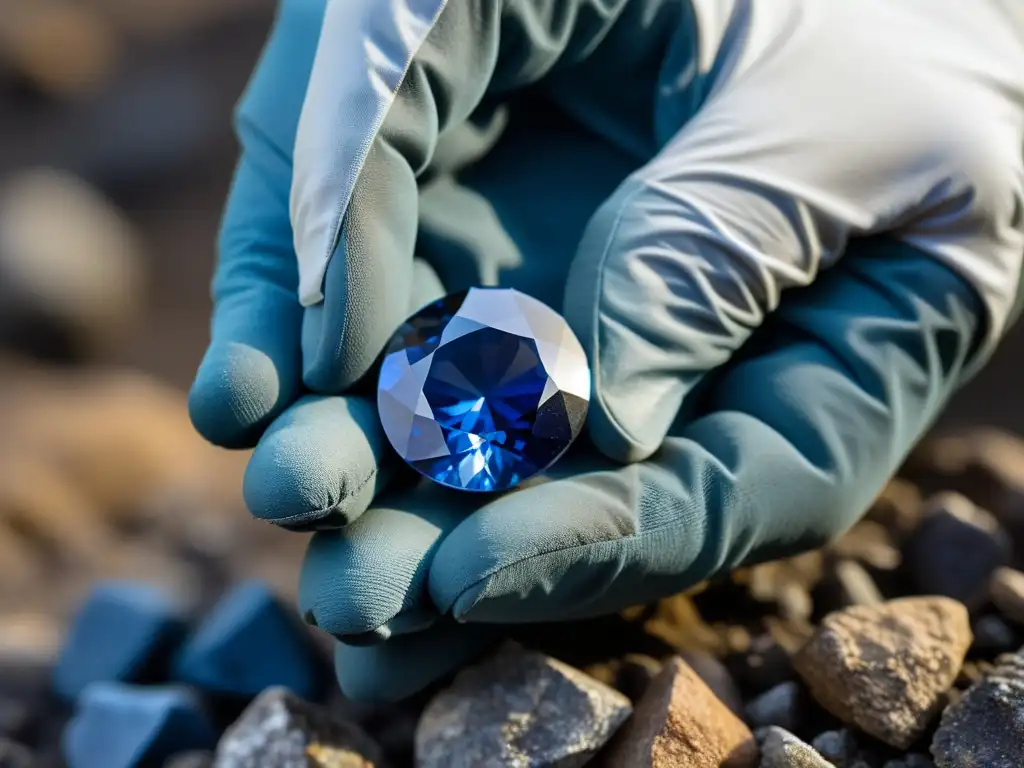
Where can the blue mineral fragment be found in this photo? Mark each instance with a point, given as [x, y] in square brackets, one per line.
[117, 725]
[121, 633]
[249, 642]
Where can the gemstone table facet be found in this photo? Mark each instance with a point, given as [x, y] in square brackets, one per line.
[483, 389]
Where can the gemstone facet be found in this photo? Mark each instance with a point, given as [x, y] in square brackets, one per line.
[483, 389]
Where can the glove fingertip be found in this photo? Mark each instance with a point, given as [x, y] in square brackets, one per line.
[237, 391]
[612, 439]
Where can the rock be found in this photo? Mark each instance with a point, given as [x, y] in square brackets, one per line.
[716, 676]
[123, 632]
[629, 675]
[681, 724]
[956, 549]
[781, 749]
[121, 726]
[838, 747]
[780, 706]
[1006, 589]
[280, 730]
[195, 759]
[518, 708]
[885, 668]
[14, 755]
[72, 291]
[993, 636]
[912, 760]
[228, 652]
[985, 728]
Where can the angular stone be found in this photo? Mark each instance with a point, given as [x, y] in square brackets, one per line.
[680, 723]
[279, 729]
[985, 728]
[250, 642]
[123, 726]
[885, 668]
[780, 706]
[717, 677]
[956, 549]
[781, 749]
[518, 708]
[483, 389]
[1007, 592]
[123, 632]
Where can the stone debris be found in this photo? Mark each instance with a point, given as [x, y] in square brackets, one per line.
[680, 723]
[120, 633]
[781, 749]
[886, 668]
[123, 726]
[519, 708]
[279, 730]
[1007, 592]
[985, 728]
[956, 548]
[228, 652]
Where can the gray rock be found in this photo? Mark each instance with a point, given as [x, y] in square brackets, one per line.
[985, 728]
[518, 708]
[781, 749]
[191, 760]
[838, 747]
[910, 761]
[779, 706]
[278, 729]
[993, 636]
[956, 549]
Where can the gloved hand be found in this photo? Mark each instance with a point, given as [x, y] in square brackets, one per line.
[785, 233]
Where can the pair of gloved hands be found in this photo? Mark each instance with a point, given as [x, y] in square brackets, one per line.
[785, 232]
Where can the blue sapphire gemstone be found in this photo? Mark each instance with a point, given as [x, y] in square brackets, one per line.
[483, 389]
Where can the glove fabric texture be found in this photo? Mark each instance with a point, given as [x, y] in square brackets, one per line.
[785, 232]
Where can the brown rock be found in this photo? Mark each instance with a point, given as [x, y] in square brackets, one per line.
[869, 543]
[681, 724]
[897, 508]
[885, 668]
[1006, 589]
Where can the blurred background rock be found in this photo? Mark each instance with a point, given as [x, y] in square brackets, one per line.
[115, 155]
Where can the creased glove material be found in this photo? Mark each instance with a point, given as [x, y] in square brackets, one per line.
[784, 232]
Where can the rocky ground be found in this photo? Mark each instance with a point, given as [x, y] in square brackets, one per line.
[897, 647]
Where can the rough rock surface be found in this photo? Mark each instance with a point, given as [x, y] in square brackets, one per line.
[885, 668]
[985, 728]
[518, 708]
[1007, 592]
[278, 729]
[781, 749]
[956, 549]
[680, 723]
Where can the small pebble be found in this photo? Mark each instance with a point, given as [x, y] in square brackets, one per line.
[781, 749]
[279, 730]
[228, 652]
[956, 549]
[780, 706]
[1007, 592]
[123, 726]
[123, 632]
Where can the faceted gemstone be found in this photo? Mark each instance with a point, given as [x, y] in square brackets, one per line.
[483, 389]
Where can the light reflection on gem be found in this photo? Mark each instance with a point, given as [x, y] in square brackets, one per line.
[483, 389]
